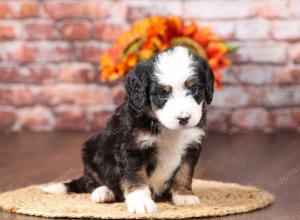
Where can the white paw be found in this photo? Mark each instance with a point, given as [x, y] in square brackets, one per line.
[185, 200]
[102, 194]
[140, 201]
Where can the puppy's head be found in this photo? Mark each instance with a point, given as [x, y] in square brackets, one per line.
[173, 85]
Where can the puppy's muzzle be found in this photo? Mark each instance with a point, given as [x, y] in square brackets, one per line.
[183, 120]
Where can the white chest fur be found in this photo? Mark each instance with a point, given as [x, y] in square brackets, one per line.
[171, 145]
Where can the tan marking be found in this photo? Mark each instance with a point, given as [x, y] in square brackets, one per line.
[191, 82]
[95, 176]
[128, 186]
[194, 145]
[165, 88]
[182, 184]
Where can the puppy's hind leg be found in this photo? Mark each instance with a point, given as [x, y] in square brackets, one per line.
[102, 194]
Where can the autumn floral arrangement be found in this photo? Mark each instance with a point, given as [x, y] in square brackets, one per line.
[154, 34]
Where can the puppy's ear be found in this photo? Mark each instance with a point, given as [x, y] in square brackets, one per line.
[209, 83]
[136, 86]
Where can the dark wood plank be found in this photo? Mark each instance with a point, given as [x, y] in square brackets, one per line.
[269, 161]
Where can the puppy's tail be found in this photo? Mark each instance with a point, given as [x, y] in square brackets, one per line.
[76, 186]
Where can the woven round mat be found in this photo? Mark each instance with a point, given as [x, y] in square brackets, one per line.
[217, 199]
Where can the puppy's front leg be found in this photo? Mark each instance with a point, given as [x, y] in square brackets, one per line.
[134, 185]
[181, 188]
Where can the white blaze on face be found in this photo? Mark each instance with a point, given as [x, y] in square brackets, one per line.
[174, 68]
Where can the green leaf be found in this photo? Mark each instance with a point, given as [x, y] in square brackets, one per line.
[231, 48]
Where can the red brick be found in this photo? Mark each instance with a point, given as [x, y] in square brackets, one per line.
[40, 74]
[254, 29]
[225, 29]
[90, 51]
[282, 96]
[89, 95]
[257, 95]
[39, 29]
[30, 74]
[288, 75]
[218, 119]
[230, 97]
[70, 118]
[114, 10]
[296, 96]
[286, 118]
[296, 116]
[140, 9]
[45, 74]
[29, 9]
[65, 9]
[108, 31]
[55, 95]
[9, 73]
[36, 51]
[5, 10]
[230, 75]
[255, 74]
[238, 96]
[75, 30]
[261, 53]
[119, 94]
[76, 73]
[18, 96]
[286, 30]
[85, 9]
[36, 119]
[19, 9]
[9, 30]
[273, 8]
[219, 9]
[252, 118]
[294, 52]
[99, 119]
[250, 74]
[7, 119]
[295, 8]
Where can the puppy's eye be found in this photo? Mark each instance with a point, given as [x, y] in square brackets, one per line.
[194, 89]
[163, 95]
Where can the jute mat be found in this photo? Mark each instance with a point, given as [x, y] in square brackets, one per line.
[217, 199]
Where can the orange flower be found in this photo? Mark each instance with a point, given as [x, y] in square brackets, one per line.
[216, 49]
[146, 54]
[151, 35]
[131, 60]
[202, 36]
[190, 29]
[218, 79]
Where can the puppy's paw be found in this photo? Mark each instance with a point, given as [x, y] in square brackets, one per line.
[102, 194]
[181, 200]
[142, 206]
[140, 201]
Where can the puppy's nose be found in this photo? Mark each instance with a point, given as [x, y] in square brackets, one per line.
[183, 120]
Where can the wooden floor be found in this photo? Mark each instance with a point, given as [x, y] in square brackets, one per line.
[268, 161]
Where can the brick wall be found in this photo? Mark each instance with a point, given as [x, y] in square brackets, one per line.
[49, 51]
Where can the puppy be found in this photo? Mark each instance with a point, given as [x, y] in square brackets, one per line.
[152, 142]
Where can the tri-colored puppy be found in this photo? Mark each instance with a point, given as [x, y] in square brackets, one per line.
[152, 142]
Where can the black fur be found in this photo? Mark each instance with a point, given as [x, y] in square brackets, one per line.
[206, 77]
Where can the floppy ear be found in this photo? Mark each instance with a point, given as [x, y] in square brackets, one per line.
[136, 86]
[209, 83]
